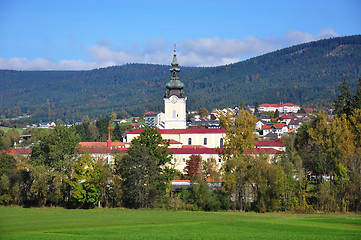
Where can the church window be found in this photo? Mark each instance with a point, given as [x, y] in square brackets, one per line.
[174, 113]
[205, 141]
[219, 160]
[189, 141]
[221, 143]
[175, 160]
[183, 160]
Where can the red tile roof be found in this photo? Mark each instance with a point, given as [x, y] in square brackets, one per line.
[273, 125]
[193, 146]
[184, 131]
[261, 144]
[285, 116]
[172, 141]
[278, 105]
[22, 151]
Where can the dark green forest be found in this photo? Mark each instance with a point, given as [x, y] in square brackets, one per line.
[306, 74]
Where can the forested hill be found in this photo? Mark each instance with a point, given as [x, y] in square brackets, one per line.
[303, 74]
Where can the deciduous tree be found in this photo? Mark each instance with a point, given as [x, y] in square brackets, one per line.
[84, 182]
[56, 148]
[144, 172]
[194, 167]
[240, 134]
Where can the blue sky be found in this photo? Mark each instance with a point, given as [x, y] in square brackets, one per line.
[87, 34]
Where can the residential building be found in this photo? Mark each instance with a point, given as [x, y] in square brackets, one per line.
[282, 108]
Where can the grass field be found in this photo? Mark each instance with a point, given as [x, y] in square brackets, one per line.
[5, 129]
[58, 223]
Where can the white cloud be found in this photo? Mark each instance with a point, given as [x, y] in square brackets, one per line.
[44, 64]
[295, 37]
[191, 52]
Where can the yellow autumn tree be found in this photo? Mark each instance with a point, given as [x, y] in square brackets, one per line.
[240, 134]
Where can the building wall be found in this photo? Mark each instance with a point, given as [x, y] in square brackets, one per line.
[175, 112]
[213, 139]
[179, 160]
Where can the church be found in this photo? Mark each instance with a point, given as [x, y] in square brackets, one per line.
[172, 126]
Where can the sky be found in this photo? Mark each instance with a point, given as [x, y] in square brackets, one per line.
[88, 34]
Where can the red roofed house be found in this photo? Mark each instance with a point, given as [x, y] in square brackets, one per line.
[278, 128]
[106, 150]
[285, 119]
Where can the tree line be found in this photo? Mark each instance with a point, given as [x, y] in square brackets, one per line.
[321, 170]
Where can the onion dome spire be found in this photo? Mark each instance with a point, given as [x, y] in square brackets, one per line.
[175, 85]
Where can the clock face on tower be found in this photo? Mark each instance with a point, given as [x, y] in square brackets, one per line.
[173, 99]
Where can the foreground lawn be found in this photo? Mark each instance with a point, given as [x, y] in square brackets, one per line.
[58, 223]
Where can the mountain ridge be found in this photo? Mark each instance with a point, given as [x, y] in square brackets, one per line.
[307, 73]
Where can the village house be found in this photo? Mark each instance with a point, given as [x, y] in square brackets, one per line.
[274, 128]
[282, 108]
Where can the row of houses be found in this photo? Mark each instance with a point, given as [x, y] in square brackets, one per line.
[274, 128]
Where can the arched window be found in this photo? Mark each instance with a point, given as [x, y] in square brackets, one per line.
[174, 113]
[221, 143]
[204, 141]
[189, 141]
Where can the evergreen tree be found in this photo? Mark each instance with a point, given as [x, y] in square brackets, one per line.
[343, 103]
[277, 113]
[102, 125]
[357, 97]
[256, 110]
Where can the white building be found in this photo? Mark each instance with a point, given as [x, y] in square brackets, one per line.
[282, 108]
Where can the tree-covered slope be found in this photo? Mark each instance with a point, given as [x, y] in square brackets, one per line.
[306, 73]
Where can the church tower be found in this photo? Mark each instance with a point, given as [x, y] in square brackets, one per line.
[175, 100]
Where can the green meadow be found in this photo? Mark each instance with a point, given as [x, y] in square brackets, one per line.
[59, 223]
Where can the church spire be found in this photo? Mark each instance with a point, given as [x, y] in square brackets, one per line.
[175, 61]
[175, 85]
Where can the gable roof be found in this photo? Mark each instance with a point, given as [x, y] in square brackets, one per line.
[183, 131]
[295, 122]
[285, 116]
[274, 125]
